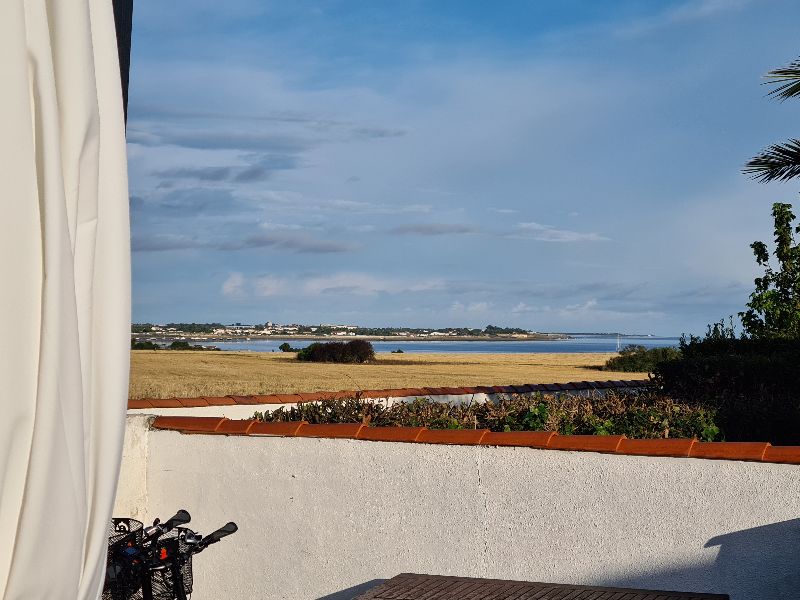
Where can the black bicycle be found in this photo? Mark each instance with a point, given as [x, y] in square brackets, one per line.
[154, 563]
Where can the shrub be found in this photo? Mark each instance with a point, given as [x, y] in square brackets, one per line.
[180, 345]
[144, 345]
[286, 347]
[751, 383]
[184, 345]
[637, 415]
[354, 351]
[639, 359]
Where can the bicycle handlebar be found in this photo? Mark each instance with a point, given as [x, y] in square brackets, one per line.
[215, 536]
[180, 518]
[158, 529]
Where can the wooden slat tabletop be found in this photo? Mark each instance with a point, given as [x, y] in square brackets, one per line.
[410, 586]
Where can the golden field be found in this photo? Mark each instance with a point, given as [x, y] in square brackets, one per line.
[165, 374]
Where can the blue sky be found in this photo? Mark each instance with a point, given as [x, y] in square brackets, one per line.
[560, 166]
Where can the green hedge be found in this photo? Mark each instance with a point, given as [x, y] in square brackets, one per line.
[354, 351]
[754, 385]
[638, 359]
[642, 415]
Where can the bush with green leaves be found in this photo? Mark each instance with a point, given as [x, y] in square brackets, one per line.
[753, 384]
[638, 359]
[637, 415]
[354, 351]
[143, 345]
[773, 311]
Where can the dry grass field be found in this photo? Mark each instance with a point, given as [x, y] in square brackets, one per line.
[164, 374]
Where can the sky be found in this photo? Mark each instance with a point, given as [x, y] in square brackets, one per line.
[557, 166]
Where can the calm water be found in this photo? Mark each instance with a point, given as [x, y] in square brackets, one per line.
[576, 344]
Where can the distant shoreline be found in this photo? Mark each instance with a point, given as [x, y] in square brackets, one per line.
[385, 338]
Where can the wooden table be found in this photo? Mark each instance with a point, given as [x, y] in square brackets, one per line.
[410, 586]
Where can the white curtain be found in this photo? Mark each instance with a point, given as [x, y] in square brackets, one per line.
[64, 294]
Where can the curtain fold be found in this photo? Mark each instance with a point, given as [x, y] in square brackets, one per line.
[64, 294]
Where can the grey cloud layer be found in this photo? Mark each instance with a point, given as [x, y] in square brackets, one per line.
[432, 229]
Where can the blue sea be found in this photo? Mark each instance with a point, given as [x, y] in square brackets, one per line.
[587, 343]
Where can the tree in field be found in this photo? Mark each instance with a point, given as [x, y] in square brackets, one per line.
[774, 307]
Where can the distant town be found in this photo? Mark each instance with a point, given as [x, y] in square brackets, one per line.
[220, 332]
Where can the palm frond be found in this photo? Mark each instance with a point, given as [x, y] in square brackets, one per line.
[789, 79]
[779, 162]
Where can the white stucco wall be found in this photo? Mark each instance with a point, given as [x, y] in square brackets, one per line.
[318, 517]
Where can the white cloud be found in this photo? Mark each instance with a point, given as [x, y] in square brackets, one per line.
[470, 308]
[233, 285]
[693, 10]
[270, 286]
[364, 284]
[340, 284]
[547, 233]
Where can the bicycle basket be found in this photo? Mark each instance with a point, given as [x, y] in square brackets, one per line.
[123, 563]
[171, 547]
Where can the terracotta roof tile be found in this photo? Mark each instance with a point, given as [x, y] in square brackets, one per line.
[223, 401]
[192, 402]
[285, 428]
[656, 447]
[330, 430]
[390, 434]
[753, 451]
[437, 391]
[166, 403]
[189, 424]
[313, 396]
[456, 391]
[590, 443]
[287, 398]
[397, 392]
[580, 385]
[251, 400]
[522, 389]
[730, 450]
[374, 394]
[416, 392]
[237, 427]
[326, 395]
[783, 454]
[139, 403]
[567, 386]
[534, 439]
[552, 387]
[471, 390]
[343, 395]
[452, 436]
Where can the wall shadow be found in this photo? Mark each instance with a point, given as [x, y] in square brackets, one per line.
[761, 563]
[353, 592]
[758, 563]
